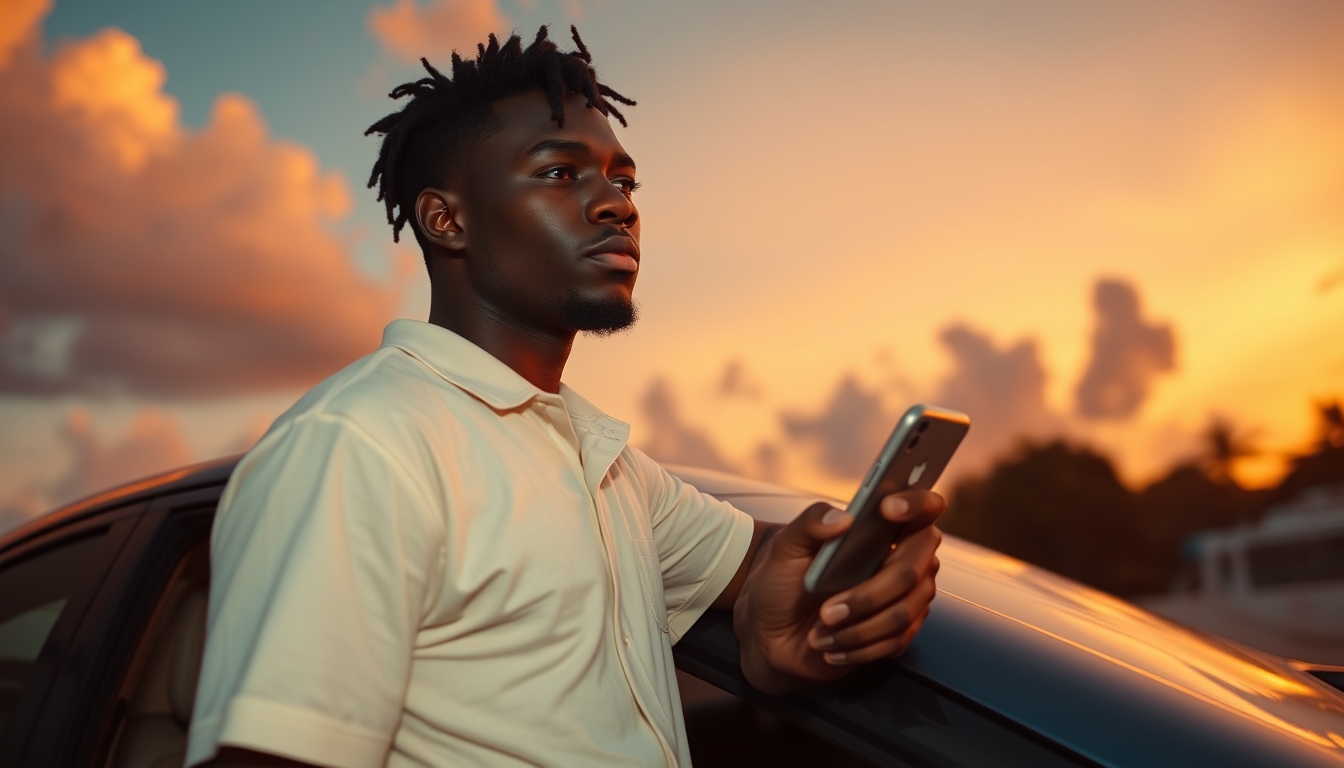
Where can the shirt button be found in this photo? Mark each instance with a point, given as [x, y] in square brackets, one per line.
[627, 639]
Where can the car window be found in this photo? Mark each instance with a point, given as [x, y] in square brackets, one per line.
[724, 731]
[1297, 562]
[33, 594]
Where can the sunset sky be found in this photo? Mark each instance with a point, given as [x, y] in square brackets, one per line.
[1112, 222]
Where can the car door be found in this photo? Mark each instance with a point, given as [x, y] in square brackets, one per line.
[83, 712]
[49, 582]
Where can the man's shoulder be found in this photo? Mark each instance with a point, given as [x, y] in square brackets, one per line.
[386, 387]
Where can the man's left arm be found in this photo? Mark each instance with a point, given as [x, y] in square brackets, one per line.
[790, 638]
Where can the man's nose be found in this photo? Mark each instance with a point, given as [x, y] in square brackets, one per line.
[609, 205]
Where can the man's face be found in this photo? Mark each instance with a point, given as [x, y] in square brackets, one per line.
[552, 234]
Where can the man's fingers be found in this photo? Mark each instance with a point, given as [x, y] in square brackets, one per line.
[892, 646]
[818, 524]
[912, 561]
[893, 621]
[914, 509]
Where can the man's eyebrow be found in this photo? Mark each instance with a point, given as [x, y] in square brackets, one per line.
[576, 147]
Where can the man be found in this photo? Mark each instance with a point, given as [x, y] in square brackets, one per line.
[444, 556]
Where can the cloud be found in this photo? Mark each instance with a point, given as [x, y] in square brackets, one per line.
[734, 382]
[18, 20]
[1003, 391]
[848, 432]
[154, 443]
[409, 29]
[137, 256]
[671, 439]
[1127, 353]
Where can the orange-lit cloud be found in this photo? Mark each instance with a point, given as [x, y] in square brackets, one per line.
[154, 443]
[141, 257]
[409, 30]
[17, 20]
[1127, 353]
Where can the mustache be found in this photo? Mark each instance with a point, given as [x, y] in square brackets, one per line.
[608, 234]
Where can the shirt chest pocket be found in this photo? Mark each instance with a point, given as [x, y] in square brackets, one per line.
[651, 580]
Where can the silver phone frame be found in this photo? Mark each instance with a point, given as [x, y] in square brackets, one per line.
[820, 575]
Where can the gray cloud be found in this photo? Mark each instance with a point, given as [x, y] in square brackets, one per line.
[734, 382]
[1127, 354]
[1003, 391]
[670, 438]
[848, 432]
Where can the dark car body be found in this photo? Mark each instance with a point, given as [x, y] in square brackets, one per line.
[1014, 666]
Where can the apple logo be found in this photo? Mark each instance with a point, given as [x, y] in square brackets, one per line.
[917, 472]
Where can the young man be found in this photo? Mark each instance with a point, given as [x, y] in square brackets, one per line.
[444, 556]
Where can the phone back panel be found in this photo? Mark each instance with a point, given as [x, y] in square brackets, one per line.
[912, 458]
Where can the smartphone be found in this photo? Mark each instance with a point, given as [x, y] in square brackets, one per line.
[915, 455]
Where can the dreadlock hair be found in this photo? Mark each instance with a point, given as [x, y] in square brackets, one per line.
[429, 137]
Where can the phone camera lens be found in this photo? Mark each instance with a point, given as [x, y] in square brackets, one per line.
[910, 446]
[923, 425]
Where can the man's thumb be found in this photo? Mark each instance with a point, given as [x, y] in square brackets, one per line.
[818, 524]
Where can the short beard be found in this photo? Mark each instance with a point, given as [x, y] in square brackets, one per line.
[598, 317]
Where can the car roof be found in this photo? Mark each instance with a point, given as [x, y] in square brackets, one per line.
[1040, 648]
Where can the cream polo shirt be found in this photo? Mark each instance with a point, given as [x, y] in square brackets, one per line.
[428, 561]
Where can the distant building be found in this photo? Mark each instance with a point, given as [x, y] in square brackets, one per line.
[1276, 584]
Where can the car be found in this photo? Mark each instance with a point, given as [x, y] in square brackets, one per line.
[102, 620]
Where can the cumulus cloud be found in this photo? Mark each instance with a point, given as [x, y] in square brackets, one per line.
[409, 29]
[137, 256]
[1002, 389]
[847, 433]
[670, 438]
[1127, 354]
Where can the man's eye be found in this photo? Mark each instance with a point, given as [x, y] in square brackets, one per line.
[628, 186]
[558, 173]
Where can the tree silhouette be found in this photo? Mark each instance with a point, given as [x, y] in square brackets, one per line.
[1224, 446]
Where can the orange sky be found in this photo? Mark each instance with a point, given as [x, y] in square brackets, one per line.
[826, 197]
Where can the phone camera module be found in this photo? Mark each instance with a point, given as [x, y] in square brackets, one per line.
[910, 446]
[923, 425]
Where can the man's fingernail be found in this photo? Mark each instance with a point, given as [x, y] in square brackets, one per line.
[824, 641]
[835, 657]
[896, 506]
[833, 613]
[833, 516]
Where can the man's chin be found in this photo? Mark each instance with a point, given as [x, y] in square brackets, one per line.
[599, 316]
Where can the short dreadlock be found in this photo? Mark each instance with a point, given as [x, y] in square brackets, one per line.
[428, 138]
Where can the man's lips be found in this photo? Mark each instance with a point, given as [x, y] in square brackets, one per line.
[619, 253]
[620, 261]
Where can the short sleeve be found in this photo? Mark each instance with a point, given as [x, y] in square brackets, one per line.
[324, 553]
[701, 543]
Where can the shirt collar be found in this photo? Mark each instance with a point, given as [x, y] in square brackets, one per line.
[485, 376]
[459, 361]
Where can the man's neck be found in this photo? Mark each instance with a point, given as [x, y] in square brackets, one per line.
[535, 355]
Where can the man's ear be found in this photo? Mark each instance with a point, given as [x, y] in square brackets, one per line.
[439, 214]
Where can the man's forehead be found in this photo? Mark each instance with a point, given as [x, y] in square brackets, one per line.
[526, 124]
